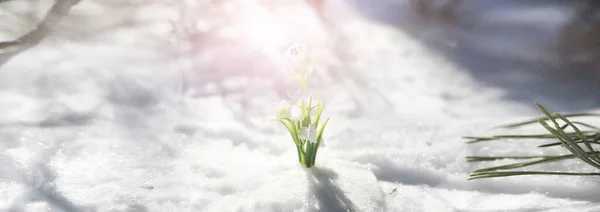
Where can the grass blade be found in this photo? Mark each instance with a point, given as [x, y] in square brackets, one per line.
[320, 132]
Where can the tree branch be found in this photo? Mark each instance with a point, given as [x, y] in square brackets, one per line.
[10, 49]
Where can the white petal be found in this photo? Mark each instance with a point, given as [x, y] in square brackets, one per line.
[295, 113]
[310, 134]
[314, 134]
[304, 134]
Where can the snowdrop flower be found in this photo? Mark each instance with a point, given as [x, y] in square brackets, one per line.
[302, 120]
[286, 110]
[309, 133]
[301, 65]
[283, 110]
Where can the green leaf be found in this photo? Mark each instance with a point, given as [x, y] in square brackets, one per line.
[292, 131]
[318, 114]
[321, 130]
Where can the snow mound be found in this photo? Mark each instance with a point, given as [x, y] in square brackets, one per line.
[93, 125]
[328, 187]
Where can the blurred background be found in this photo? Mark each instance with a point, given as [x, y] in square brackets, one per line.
[546, 49]
[543, 50]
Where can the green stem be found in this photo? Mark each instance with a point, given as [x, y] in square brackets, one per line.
[300, 154]
[309, 151]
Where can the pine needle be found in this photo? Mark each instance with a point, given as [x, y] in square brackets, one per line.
[572, 141]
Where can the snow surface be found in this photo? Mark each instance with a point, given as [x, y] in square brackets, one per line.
[110, 124]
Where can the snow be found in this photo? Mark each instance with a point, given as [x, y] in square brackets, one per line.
[106, 124]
